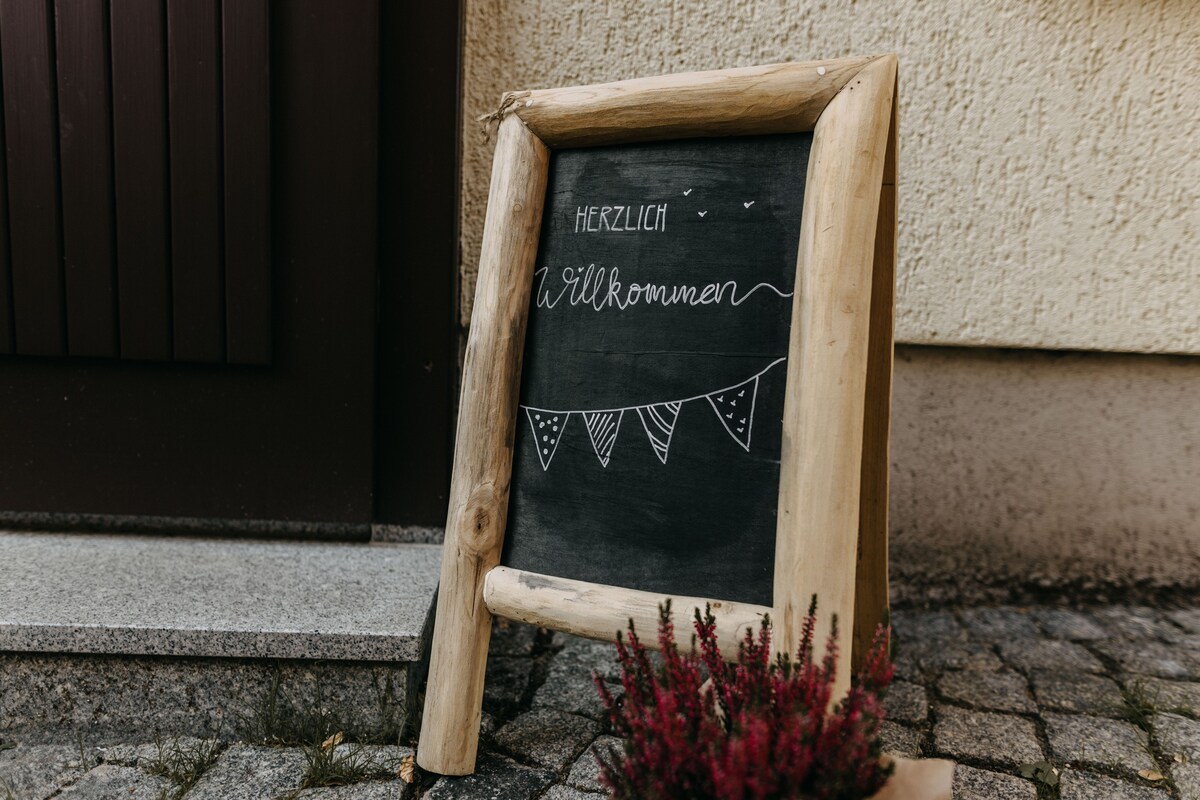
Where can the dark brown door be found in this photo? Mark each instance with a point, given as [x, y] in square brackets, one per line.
[210, 304]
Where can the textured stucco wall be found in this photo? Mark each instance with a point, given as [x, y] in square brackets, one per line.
[1050, 151]
[1015, 468]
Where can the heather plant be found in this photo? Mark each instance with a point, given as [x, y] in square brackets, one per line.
[762, 728]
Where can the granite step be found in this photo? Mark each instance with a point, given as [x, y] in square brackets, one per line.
[110, 634]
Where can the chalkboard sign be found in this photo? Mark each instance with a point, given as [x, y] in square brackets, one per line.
[651, 405]
[677, 380]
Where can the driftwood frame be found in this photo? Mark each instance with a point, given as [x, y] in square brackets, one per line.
[831, 538]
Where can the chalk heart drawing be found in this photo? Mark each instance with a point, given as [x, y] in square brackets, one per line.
[733, 405]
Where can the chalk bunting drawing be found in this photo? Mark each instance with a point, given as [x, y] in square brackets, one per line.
[733, 405]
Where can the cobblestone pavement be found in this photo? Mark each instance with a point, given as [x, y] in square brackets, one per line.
[1040, 702]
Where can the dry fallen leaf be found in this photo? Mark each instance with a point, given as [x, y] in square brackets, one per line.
[1151, 774]
[333, 741]
[407, 769]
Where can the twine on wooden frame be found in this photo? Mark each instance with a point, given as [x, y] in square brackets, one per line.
[490, 122]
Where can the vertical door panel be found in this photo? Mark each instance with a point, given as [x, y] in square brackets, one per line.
[194, 110]
[139, 73]
[418, 260]
[31, 138]
[6, 303]
[85, 151]
[247, 181]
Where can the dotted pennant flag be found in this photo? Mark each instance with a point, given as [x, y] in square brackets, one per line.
[735, 409]
[547, 427]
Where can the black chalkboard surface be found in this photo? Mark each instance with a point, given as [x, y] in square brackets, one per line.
[651, 402]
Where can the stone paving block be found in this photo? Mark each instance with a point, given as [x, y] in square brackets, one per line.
[909, 625]
[142, 755]
[1079, 693]
[1135, 623]
[1189, 643]
[562, 792]
[37, 771]
[1187, 778]
[115, 782]
[247, 772]
[1186, 618]
[1003, 623]
[375, 756]
[370, 790]
[1110, 743]
[511, 638]
[1061, 623]
[1152, 658]
[588, 656]
[585, 772]
[996, 691]
[906, 702]
[984, 736]
[548, 737]
[504, 684]
[1049, 654]
[900, 740]
[569, 687]
[495, 778]
[1176, 734]
[982, 784]
[922, 660]
[1174, 696]
[1076, 785]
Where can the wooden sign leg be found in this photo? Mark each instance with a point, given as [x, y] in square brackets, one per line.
[821, 461]
[871, 580]
[483, 452]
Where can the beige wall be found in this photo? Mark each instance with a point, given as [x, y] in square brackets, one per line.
[1050, 198]
[1016, 468]
[1050, 151]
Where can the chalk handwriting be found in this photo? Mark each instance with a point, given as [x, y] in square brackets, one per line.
[594, 219]
[601, 289]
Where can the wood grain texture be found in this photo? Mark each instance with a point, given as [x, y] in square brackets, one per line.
[480, 479]
[31, 137]
[139, 87]
[197, 263]
[247, 160]
[599, 612]
[85, 147]
[777, 98]
[871, 579]
[819, 489]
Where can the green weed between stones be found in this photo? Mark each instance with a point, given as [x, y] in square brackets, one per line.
[339, 764]
[182, 765]
[278, 720]
[1139, 708]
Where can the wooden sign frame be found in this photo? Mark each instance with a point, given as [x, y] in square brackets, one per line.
[831, 537]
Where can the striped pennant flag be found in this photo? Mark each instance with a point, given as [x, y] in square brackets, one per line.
[602, 427]
[659, 422]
